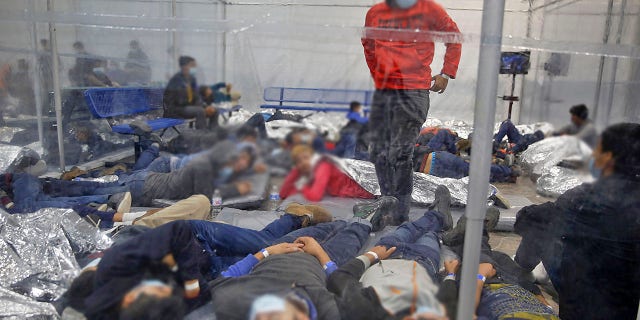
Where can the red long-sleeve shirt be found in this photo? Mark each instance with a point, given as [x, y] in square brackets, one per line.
[407, 64]
[327, 179]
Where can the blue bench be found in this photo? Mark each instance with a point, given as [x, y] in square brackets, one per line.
[315, 99]
[109, 103]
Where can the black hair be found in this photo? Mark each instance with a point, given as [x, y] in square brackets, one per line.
[354, 105]
[153, 307]
[81, 287]
[134, 43]
[185, 60]
[78, 45]
[202, 90]
[247, 131]
[623, 141]
[289, 137]
[580, 111]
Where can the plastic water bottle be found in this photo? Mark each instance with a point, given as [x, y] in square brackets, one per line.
[216, 205]
[274, 198]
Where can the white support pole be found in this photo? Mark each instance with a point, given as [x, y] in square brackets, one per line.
[484, 115]
[36, 76]
[56, 85]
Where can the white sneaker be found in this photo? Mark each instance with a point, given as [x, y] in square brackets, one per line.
[125, 204]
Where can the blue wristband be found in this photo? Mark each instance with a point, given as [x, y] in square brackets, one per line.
[329, 265]
[482, 278]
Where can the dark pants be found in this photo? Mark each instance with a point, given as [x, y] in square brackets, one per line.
[257, 121]
[507, 128]
[447, 165]
[189, 112]
[395, 121]
[342, 240]
[443, 141]
[418, 241]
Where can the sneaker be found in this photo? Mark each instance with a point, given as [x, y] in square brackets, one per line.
[516, 171]
[99, 206]
[121, 202]
[111, 171]
[383, 205]
[312, 214]
[140, 127]
[500, 201]
[73, 173]
[442, 204]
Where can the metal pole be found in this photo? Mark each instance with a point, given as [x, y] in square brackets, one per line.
[56, 85]
[614, 65]
[605, 40]
[37, 84]
[485, 110]
[174, 37]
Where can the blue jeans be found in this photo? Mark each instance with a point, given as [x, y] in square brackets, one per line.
[32, 194]
[147, 156]
[346, 146]
[395, 121]
[418, 241]
[447, 165]
[227, 244]
[443, 141]
[341, 240]
[135, 184]
[507, 128]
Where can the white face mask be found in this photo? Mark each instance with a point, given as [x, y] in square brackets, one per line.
[193, 71]
[98, 70]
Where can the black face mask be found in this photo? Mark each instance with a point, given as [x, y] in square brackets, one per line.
[401, 4]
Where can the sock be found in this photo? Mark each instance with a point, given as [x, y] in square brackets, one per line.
[130, 216]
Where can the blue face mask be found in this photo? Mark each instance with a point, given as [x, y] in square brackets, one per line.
[595, 171]
[401, 4]
[153, 282]
[225, 174]
[193, 71]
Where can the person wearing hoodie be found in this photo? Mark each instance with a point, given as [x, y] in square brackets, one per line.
[314, 176]
[400, 68]
[202, 175]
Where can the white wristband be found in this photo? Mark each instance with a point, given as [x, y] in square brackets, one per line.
[191, 287]
[375, 255]
[264, 252]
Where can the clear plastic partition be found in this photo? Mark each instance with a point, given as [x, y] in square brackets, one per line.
[54, 54]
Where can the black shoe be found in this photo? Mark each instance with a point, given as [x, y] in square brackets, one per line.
[140, 127]
[442, 204]
[384, 205]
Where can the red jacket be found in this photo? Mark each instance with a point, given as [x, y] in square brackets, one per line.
[327, 178]
[407, 65]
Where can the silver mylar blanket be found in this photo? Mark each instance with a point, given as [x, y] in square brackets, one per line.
[556, 180]
[15, 306]
[8, 154]
[37, 251]
[548, 152]
[424, 185]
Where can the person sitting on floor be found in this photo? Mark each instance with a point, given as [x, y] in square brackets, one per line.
[581, 126]
[314, 176]
[162, 269]
[520, 141]
[446, 165]
[181, 98]
[588, 240]
[352, 143]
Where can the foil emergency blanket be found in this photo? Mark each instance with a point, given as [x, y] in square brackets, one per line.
[7, 133]
[557, 180]
[547, 153]
[424, 185]
[8, 155]
[15, 306]
[37, 251]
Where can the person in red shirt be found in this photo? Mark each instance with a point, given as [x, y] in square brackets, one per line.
[314, 176]
[400, 66]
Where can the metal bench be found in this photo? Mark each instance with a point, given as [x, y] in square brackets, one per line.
[315, 99]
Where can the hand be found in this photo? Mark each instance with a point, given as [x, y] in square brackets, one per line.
[452, 266]
[382, 252]
[228, 88]
[487, 270]
[169, 261]
[284, 248]
[243, 187]
[193, 293]
[210, 111]
[439, 84]
[260, 168]
[310, 245]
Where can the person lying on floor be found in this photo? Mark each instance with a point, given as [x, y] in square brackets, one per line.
[518, 142]
[314, 176]
[433, 139]
[507, 290]
[196, 207]
[149, 275]
[588, 240]
[202, 175]
[404, 285]
[446, 165]
[29, 193]
[297, 271]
